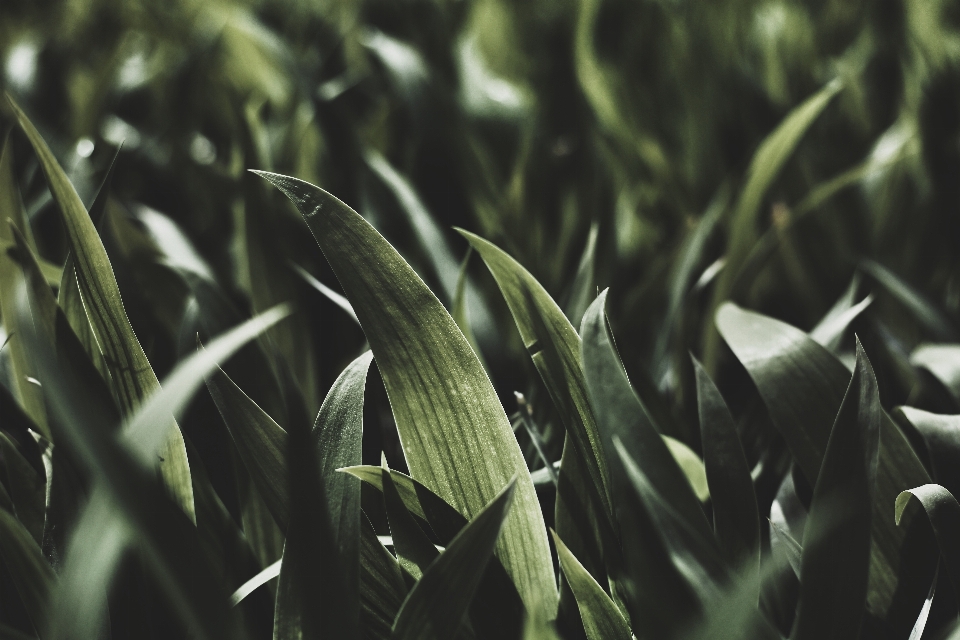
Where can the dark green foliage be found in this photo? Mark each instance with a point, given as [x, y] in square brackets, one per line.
[271, 196]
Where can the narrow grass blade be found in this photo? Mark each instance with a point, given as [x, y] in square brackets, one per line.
[447, 413]
[932, 319]
[261, 442]
[944, 513]
[620, 414]
[414, 550]
[331, 295]
[28, 488]
[12, 217]
[790, 548]
[602, 619]
[133, 377]
[766, 164]
[436, 605]
[255, 582]
[382, 588]
[736, 517]
[836, 541]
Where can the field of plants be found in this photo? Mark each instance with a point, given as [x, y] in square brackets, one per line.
[480, 319]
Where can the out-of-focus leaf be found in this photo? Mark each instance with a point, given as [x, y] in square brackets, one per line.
[583, 289]
[620, 414]
[382, 589]
[132, 374]
[28, 569]
[767, 161]
[23, 371]
[256, 581]
[922, 309]
[829, 331]
[28, 488]
[691, 465]
[601, 617]
[414, 550]
[736, 517]
[331, 295]
[791, 549]
[436, 605]
[801, 384]
[260, 441]
[943, 361]
[836, 543]
[422, 356]
[944, 513]
[9, 633]
[697, 559]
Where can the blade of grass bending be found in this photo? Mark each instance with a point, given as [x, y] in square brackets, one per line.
[736, 517]
[790, 547]
[331, 295]
[917, 632]
[414, 550]
[941, 361]
[620, 414]
[836, 541]
[261, 442]
[12, 217]
[437, 604]
[455, 435]
[802, 386]
[766, 164]
[28, 569]
[554, 346]
[943, 511]
[602, 619]
[133, 377]
[256, 581]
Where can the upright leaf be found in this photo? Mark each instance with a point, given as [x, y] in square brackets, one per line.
[447, 413]
[736, 518]
[836, 542]
[414, 550]
[28, 569]
[601, 617]
[132, 374]
[436, 605]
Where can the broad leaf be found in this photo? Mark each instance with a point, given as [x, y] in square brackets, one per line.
[447, 413]
[836, 542]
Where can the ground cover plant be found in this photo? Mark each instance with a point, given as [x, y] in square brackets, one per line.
[480, 319]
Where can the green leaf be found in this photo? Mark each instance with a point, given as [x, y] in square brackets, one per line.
[836, 541]
[414, 549]
[696, 558]
[133, 377]
[601, 617]
[802, 385]
[261, 442]
[29, 395]
[447, 413]
[942, 361]
[583, 289]
[28, 488]
[829, 331]
[554, 345]
[788, 545]
[691, 465]
[766, 164]
[255, 582]
[28, 569]
[941, 436]
[382, 588]
[736, 517]
[922, 309]
[9, 633]
[620, 414]
[436, 605]
[329, 293]
[944, 513]
[404, 484]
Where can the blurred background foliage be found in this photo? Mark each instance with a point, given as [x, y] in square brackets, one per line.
[600, 142]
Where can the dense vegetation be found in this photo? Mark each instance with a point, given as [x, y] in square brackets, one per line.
[663, 299]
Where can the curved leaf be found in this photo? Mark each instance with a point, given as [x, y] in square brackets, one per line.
[736, 517]
[836, 542]
[447, 413]
[133, 377]
[601, 617]
[944, 513]
[414, 550]
[382, 588]
[436, 605]
[942, 361]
